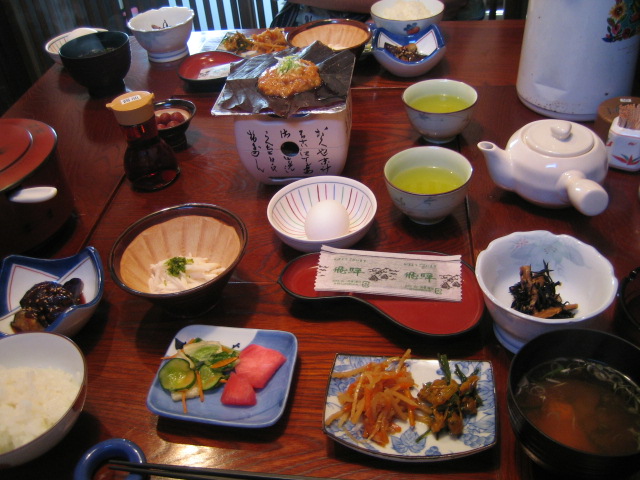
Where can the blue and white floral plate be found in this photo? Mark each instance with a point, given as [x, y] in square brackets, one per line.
[479, 431]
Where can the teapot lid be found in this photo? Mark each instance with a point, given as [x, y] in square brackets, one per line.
[558, 138]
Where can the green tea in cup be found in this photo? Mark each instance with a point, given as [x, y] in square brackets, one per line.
[439, 108]
[427, 183]
[439, 103]
[427, 180]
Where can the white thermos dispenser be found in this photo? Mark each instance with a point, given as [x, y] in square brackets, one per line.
[577, 54]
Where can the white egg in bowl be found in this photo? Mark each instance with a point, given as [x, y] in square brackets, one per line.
[327, 210]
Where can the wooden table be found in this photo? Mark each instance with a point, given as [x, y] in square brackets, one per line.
[124, 341]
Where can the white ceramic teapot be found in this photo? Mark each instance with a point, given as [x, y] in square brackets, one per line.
[552, 163]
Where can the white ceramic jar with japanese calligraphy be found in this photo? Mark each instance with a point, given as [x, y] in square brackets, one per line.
[278, 151]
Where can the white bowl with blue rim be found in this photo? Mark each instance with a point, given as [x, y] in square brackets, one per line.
[19, 273]
[163, 32]
[53, 45]
[288, 209]
[430, 45]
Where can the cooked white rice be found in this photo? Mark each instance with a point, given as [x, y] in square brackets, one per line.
[406, 10]
[197, 273]
[31, 401]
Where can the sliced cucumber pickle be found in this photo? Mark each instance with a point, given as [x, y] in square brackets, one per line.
[209, 378]
[176, 374]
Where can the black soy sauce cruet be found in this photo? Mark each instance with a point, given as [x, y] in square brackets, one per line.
[149, 162]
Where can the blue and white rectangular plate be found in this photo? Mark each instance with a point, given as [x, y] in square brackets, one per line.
[479, 432]
[272, 399]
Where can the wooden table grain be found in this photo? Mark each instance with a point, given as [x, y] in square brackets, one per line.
[124, 341]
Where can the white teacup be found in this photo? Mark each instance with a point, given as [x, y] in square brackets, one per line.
[439, 121]
[421, 166]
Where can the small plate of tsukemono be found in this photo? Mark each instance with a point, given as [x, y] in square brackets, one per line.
[413, 443]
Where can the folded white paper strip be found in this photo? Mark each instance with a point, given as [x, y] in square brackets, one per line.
[436, 277]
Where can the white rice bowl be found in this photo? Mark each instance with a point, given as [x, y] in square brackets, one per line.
[32, 400]
[42, 392]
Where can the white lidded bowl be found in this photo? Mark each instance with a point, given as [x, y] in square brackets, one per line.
[53, 45]
[289, 207]
[40, 350]
[387, 14]
[163, 32]
[587, 278]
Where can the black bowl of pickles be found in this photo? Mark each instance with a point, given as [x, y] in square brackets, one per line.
[574, 403]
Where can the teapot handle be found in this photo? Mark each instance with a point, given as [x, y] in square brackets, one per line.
[587, 196]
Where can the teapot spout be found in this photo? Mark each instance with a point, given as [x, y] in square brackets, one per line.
[499, 164]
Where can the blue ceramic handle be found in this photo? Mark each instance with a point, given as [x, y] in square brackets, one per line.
[114, 448]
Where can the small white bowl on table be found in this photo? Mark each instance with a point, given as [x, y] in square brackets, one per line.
[289, 207]
[163, 32]
[440, 127]
[53, 45]
[587, 278]
[386, 14]
[425, 208]
[19, 273]
[40, 350]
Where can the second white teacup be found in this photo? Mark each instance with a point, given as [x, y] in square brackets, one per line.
[439, 108]
[427, 183]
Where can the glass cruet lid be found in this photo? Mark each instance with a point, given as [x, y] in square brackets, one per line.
[558, 138]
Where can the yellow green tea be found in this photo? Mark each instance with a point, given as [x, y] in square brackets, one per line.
[427, 180]
[439, 103]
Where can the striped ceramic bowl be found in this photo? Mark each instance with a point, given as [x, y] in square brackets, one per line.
[53, 46]
[288, 209]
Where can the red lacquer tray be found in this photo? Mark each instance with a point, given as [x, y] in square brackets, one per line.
[425, 317]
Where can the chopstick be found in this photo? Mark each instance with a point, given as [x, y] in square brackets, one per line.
[197, 473]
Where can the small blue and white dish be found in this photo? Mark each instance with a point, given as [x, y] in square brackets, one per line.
[479, 432]
[429, 43]
[19, 273]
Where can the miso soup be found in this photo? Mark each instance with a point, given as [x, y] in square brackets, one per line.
[584, 405]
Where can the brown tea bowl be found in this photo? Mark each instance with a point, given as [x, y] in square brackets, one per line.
[187, 230]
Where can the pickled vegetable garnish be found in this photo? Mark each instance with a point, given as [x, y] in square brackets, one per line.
[446, 402]
[383, 395]
[197, 366]
[535, 294]
[177, 265]
[378, 398]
